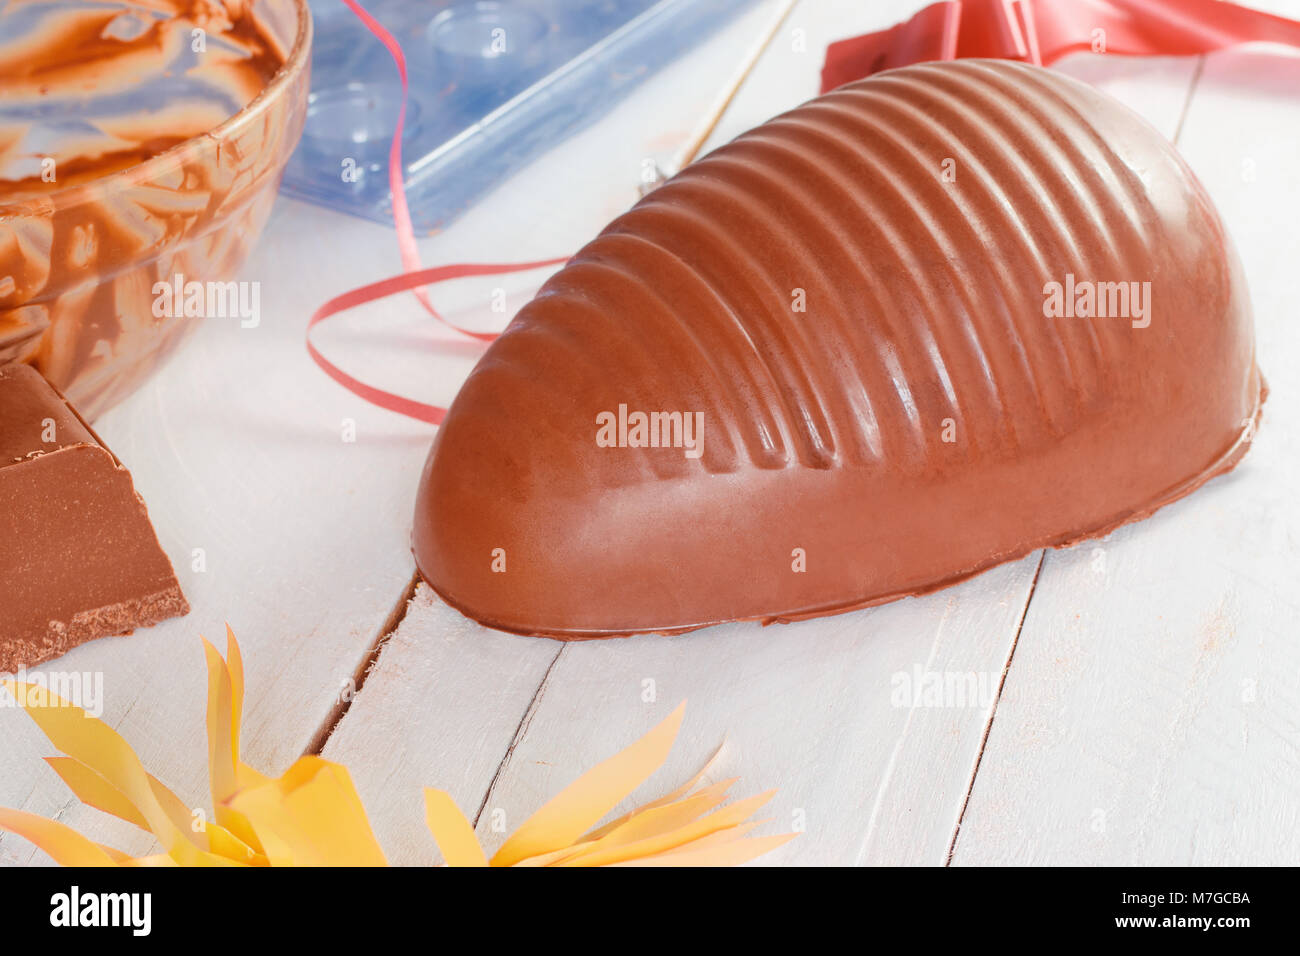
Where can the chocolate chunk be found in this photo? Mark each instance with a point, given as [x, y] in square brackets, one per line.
[78, 556]
[920, 326]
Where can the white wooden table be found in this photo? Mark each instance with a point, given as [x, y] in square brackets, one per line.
[1138, 698]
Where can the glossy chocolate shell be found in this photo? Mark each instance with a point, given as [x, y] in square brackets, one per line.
[857, 296]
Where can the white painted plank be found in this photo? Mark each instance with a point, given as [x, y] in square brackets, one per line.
[237, 448]
[830, 712]
[1150, 714]
[439, 709]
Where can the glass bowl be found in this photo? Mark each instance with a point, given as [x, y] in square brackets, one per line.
[87, 267]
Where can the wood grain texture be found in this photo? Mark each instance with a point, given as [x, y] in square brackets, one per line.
[1150, 716]
[827, 711]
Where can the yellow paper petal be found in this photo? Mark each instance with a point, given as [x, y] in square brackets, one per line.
[677, 794]
[245, 775]
[93, 790]
[158, 859]
[235, 664]
[663, 841]
[453, 833]
[224, 843]
[227, 774]
[117, 856]
[731, 853]
[311, 816]
[233, 822]
[579, 806]
[716, 838]
[719, 837]
[100, 748]
[221, 744]
[235, 668]
[547, 859]
[65, 845]
[651, 820]
[655, 821]
[276, 850]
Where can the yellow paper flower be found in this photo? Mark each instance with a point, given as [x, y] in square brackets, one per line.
[312, 816]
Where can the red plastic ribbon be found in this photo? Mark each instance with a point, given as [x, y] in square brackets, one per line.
[391, 286]
[416, 277]
[401, 211]
[1043, 31]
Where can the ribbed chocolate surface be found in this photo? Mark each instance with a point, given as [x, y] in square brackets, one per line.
[709, 263]
[917, 216]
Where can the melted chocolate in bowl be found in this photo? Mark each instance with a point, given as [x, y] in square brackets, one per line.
[139, 142]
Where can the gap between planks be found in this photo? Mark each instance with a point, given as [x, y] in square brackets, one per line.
[362, 671]
[1042, 557]
[993, 710]
[520, 729]
[1191, 91]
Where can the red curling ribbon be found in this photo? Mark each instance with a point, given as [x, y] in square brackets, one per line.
[433, 414]
[401, 211]
[416, 277]
[1043, 31]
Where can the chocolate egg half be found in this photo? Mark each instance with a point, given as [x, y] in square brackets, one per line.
[919, 326]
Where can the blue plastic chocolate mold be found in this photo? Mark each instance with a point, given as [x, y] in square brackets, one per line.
[492, 84]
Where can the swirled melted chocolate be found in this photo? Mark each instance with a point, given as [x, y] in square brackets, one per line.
[87, 89]
[97, 207]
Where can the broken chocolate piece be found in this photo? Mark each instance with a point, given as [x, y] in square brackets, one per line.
[930, 322]
[78, 556]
